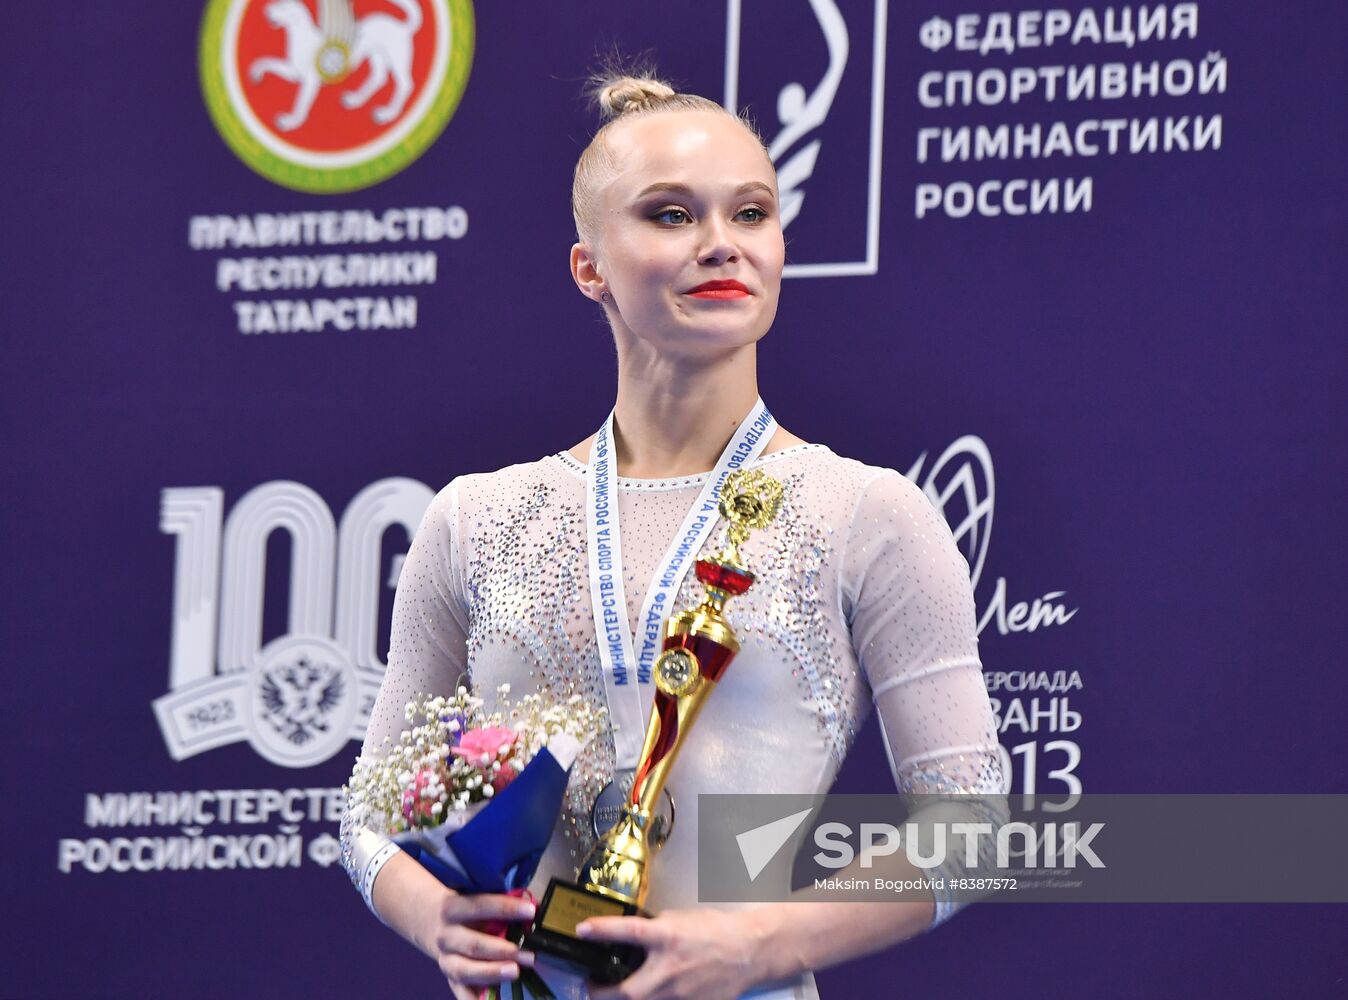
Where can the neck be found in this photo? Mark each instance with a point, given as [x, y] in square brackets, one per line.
[674, 417]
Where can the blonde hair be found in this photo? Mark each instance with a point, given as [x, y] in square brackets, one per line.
[621, 97]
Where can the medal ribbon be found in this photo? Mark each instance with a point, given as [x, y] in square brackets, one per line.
[620, 654]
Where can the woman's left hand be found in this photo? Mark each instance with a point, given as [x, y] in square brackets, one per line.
[700, 954]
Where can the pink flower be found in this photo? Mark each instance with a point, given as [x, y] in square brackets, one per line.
[415, 806]
[481, 746]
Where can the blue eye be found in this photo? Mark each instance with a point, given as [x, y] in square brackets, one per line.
[753, 214]
[672, 216]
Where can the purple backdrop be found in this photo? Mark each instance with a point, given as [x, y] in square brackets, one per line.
[1145, 374]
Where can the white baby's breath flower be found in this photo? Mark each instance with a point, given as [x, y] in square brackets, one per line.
[449, 782]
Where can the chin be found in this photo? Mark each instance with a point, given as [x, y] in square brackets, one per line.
[708, 338]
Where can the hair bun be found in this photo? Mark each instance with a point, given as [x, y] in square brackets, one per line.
[626, 94]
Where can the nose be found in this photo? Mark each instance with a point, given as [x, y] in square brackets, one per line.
[718, 244]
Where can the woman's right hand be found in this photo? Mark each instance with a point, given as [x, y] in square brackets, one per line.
[471, 959]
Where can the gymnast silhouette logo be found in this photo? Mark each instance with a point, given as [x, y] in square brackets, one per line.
[333, 95]
[807, 106]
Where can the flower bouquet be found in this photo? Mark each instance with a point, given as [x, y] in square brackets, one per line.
[474, 795]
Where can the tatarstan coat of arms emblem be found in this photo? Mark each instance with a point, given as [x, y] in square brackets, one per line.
[333, 95]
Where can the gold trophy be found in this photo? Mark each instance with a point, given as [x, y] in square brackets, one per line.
[697, 648]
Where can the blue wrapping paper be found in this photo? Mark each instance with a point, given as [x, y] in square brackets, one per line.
[500, 847]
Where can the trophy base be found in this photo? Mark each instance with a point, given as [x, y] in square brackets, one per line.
[566, 904]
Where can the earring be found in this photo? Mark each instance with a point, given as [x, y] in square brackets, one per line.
[605, 296]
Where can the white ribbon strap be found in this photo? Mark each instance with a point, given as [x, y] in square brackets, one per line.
[620, 656]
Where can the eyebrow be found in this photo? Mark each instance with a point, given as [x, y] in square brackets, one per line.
[684, 189]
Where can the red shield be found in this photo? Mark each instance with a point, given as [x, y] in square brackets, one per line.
[334, 75]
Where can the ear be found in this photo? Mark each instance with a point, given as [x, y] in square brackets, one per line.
[585, 272]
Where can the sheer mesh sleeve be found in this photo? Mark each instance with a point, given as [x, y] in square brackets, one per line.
[909, 606]
[427, 655]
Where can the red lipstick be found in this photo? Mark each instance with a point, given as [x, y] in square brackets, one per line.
[719, 290]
